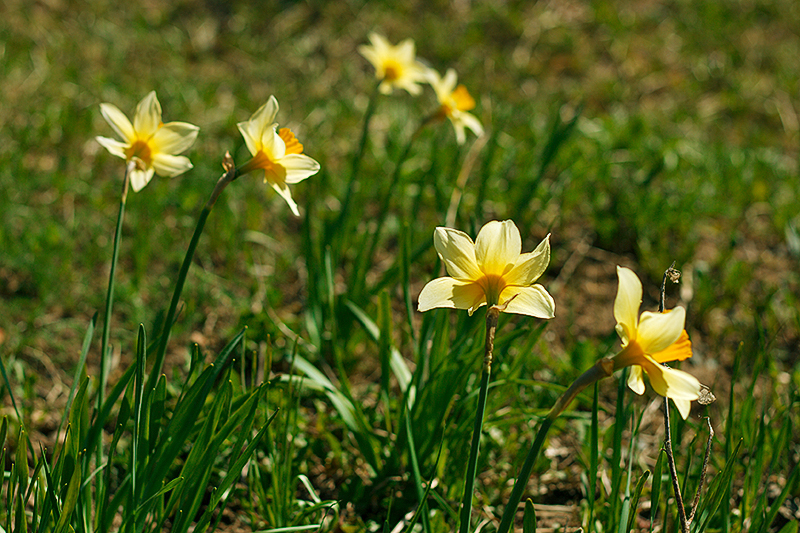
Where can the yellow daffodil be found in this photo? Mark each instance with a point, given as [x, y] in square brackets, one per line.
[149, 143]
[396, 66]
[489, 271]
[277, 152]
[650, 339]
[455, 101]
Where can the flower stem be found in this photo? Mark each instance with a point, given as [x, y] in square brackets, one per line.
[469, 482]
[230, 175]
[104, 357]
[602, 369]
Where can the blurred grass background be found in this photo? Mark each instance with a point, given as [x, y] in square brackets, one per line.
[680, 128]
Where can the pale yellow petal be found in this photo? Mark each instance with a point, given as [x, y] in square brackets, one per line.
[626, 304]
[684, 407]
[140, 178]
[471, 122]
[298, 167]
[635, 380]
[498, 247]
[112, 145]
[169, 166]
[272, 144]
[174, 138]
[671, 383]
[457, 252]
[261, 122]
[532, 301]
[148, 116]
[451, 294]
[530, 266]
[657, 331]
[119, 122]
[283, 190]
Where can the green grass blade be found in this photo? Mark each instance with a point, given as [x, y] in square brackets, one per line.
[655, 491]
[529, 518]
[234, 473]
[634, 505]
[776, 504]
[717, 491]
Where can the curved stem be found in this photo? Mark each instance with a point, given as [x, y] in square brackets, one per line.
[602, 369]
[230, 175]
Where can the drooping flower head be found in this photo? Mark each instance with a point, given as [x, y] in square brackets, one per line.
[277, 152]
[650, 339]
[396, 66]
[152, 145]
[492, 271]
[455, 101]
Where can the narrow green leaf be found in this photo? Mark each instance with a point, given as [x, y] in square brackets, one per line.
[655, 491]
[637, 493]
[790, 527]
[70, 500]
[776, 504]
[529, 518]
[87, 342]
[717, 491]
[233, 474]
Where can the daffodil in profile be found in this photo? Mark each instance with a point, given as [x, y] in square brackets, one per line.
[395, 66]
[149, 143]
[277, 152]
[650, 339]
[491, 271]
[455, 102]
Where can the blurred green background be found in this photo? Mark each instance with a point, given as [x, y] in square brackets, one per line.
[677, 127]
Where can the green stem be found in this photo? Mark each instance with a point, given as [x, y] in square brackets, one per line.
[226, 178]
[104, 348]
[469, 482]
[602, 369]
[110, 293]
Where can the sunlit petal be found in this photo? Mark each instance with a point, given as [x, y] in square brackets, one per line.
[171, 165]
[635, 380]
[626, 304]
[657, 331]
[684, 407]
[140, 178]
[174, 138]
[530, 266]
[299, 167]
[498, 247]
[450, 293]
[671, 383]
[115, 147]
[533, 301]
[458, 253]
[118, 121]
[148, 116]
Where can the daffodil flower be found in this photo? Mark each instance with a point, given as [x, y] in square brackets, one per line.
[396, 66]
[489, 271]
[651, 339]
[150, 144]
[277, 152]
[455, 101]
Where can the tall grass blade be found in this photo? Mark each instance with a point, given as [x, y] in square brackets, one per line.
[717, 491]
[529, 517]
